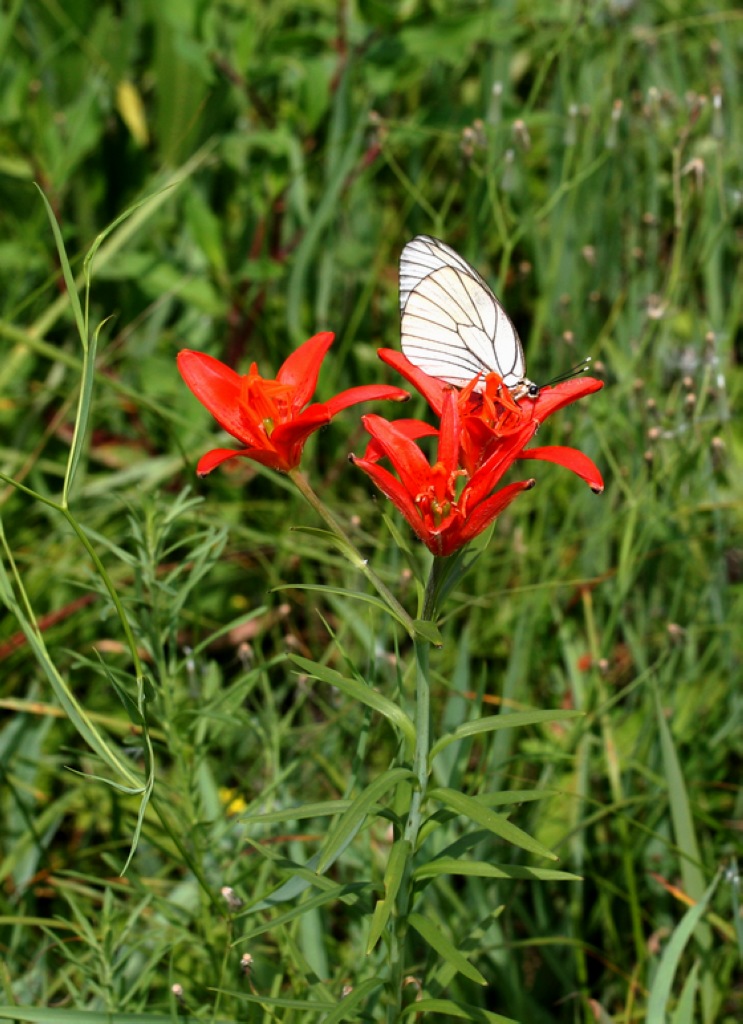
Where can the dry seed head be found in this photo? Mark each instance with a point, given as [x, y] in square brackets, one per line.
[411, 980]
[246, 963]
[611, 135]
[230, 897]
[717, 449]
[676, 632]
[655, 307]
[696, 167]
[494, 108]
[654, 434]
[568, 337]
[690, 404]
[588, 252]
[524, 268]
[245, 654]
[508, 178]
[652, 106]
[638, 385]
[467, 142]
[651, 407]
[718, 123]
[521, 134]
[177, 991]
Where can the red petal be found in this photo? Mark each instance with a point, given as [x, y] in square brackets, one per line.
[365, 393]
[391, 487]
[409, 461]
[288, 438]
[411, 428]
[449, 432]
[484, 513]
[503, 455]
[266, 457]
[572, 459]
[215, 458]
[433, 390]
[302, 367]
[550, 399]
[217, 387]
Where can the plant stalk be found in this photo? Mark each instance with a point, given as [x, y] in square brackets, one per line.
[305, 488]
[417, 799]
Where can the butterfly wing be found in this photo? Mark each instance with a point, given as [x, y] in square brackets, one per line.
[452, 325]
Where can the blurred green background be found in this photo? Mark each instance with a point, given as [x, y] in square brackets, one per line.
[275, 157]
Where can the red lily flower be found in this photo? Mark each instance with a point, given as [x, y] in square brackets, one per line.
[426, 495]
[482, 433]
[490, 415]
[270, 417]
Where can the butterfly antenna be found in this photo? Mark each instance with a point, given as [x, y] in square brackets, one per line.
[574, 371]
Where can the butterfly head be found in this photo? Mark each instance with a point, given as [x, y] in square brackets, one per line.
[525, 389]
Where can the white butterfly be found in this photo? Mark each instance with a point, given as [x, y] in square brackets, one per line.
[452, 325]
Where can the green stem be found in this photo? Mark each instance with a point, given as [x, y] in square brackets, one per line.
[107, 581]
[304, 487]
[418, 796]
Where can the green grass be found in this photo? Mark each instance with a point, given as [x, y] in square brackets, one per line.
[272, 161]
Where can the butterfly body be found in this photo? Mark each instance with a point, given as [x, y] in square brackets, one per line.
[452, 325]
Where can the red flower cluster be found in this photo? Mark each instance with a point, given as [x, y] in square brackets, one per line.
[270, 417]
[481, 434]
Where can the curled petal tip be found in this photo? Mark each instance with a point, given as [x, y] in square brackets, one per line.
[598, 489]
[530, 483]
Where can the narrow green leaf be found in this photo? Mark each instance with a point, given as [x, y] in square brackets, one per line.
[484, 869]
[69, 703]
[351, 1003]
[322, 588]
[321, 809]
[685, 1012]
[323, 213]
[472, 808]
[683, 821]
[392, 878]
[359, 691]
[45, 1015]
[348, 893]
[350, 822]
[432, 932]
[69, 277]
[660, 992]
[142, 212]
[429, 631]
[456, 1010]
[512, 720]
